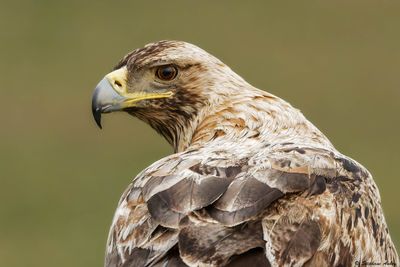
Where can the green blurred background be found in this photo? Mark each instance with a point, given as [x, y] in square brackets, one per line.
[61, 177]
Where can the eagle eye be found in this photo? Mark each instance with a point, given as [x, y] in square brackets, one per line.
[166, 73]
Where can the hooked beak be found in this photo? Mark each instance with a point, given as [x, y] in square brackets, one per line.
[111, 95]
[105, 99]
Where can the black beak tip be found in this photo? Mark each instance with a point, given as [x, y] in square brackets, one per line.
[96, 108]
[97, 116]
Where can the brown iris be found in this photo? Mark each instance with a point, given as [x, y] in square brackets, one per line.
[166, 73]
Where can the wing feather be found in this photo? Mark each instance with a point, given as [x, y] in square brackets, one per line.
[212, 210]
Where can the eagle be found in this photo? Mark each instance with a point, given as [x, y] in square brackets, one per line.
[251, 181]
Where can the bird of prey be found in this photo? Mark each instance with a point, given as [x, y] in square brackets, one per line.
[251, 182]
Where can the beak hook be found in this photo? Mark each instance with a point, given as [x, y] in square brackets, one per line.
[97, 116]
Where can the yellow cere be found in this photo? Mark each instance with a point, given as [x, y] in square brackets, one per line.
[117, 80]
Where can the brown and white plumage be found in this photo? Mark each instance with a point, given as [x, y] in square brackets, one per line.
[252, 181]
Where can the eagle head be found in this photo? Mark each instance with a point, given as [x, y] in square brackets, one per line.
[166, 84]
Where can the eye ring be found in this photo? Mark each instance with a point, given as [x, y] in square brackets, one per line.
[167, 72]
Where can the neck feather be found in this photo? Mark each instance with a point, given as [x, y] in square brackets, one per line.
[261, 117]
[249, 114]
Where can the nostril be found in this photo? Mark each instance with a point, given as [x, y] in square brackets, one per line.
[118, 83]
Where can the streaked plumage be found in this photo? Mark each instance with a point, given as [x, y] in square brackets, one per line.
[252, 181]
